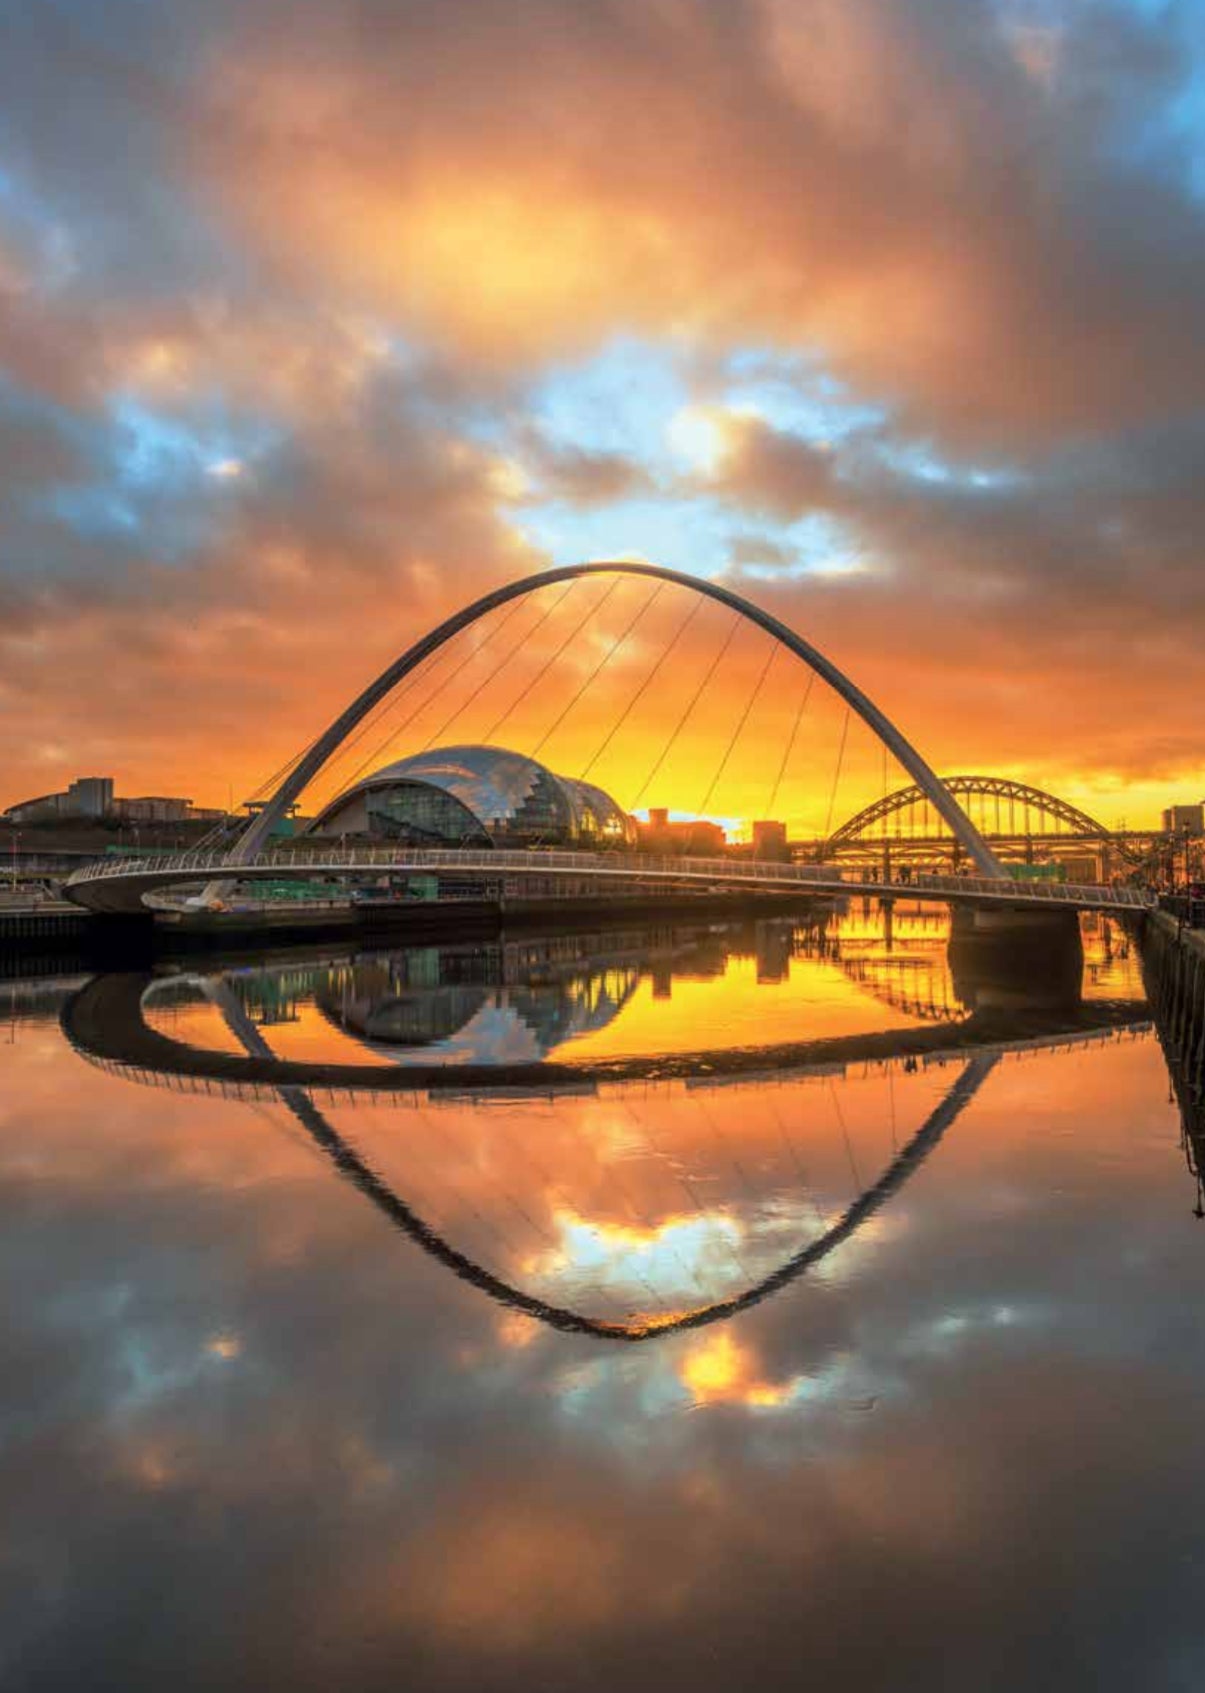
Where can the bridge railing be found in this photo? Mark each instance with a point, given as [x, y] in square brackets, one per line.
[500, 862]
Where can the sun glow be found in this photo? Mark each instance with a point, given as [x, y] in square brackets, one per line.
[698, 437]
[720, 1371]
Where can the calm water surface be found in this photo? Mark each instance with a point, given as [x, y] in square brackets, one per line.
[886, 1368]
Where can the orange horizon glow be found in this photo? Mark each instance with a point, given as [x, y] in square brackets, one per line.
[529, 689]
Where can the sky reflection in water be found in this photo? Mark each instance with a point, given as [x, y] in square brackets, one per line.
[253, 1435]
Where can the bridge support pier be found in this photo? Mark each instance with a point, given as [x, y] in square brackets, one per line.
[1009, 956]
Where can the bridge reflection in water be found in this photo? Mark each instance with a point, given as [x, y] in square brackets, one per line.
[621, 1197]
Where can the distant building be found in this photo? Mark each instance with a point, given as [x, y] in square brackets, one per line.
[1081, 866]
[154, 808]
[91, 799]
[90, 796]
[44, 809]
[1184, 820]
[770, 842]
[696, 838]
[87, 796]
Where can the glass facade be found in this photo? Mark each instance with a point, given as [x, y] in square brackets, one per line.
[476, 795]
[418, 813]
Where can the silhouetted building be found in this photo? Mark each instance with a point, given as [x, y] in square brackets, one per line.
[91, 799]
[1184, 819]
[770, 842]
[90, 796]
[1079, 866]
[695, 837]
[153, 808]
[87, 796]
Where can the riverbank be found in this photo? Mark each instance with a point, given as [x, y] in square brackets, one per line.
[78, 938]
[1173, 968]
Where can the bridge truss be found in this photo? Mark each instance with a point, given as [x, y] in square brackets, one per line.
[1022, 823]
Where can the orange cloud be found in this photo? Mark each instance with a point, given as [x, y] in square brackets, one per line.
[883, 183]
[380, 234]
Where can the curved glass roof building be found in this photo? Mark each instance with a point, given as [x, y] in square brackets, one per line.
[476, 796]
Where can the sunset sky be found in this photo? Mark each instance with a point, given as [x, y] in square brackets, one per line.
[317, 321]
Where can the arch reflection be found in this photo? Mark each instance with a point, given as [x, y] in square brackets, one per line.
[106, 1022]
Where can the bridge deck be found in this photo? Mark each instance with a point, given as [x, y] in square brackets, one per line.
[121, 886]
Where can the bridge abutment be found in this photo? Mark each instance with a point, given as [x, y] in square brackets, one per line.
[1004, 956]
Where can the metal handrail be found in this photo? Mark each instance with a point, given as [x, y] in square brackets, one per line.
[502, 861]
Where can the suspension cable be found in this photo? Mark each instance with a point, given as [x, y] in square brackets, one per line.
[385, 709]
[741, 721]
[495, 673]
[601, 665]
[782, 768]
[859, 1185]
[390, 704]
[223, 825]
[832, 798]
[694, 700]
[529, 688]
[424, 703]
[694, 611]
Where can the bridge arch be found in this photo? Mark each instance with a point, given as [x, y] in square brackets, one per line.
[334, 735]
[1076, 822]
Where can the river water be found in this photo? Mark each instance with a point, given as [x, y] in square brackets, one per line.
[699, 1306]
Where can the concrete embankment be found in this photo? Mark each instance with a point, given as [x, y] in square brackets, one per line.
[1173, 967]
[49, 939]
[79, 938]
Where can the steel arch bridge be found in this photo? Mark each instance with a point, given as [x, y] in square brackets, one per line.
[1007, 813]
[992, 792]
[121, 887]
[332, 738]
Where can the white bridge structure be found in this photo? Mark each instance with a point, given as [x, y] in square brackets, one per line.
[122, 885]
